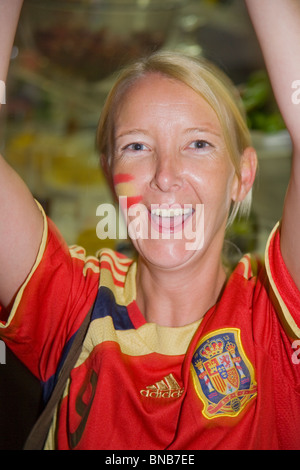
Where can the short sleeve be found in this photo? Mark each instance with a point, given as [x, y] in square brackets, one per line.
[286, 295]
[51, 304]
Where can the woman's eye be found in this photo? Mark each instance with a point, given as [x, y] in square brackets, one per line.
[136, 146]
[199, 144]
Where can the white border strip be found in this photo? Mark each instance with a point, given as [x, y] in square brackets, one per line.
[2, 92]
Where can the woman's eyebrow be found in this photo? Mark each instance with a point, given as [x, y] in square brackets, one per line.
[207, 129]
[131, 132]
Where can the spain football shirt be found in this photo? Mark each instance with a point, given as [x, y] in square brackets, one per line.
[228, 381]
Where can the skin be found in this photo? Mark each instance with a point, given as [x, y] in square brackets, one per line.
[170, 142]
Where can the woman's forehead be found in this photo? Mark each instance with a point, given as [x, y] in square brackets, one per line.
[157, 95]
[152, 85]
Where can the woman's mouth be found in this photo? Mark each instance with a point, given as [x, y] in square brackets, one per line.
[169, 219]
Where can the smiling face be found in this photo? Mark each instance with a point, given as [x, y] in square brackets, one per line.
[171, 158]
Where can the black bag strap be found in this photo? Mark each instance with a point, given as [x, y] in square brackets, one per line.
[38, 435]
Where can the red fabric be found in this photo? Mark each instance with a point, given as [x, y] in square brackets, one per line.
[114, 402]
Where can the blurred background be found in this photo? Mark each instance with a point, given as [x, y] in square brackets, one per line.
[63, 64]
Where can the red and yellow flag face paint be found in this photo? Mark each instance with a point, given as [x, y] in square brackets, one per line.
[124, 186]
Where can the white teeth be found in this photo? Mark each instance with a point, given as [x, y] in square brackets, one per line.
[171, 212]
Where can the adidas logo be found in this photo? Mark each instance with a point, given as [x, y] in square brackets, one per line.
[166, 388]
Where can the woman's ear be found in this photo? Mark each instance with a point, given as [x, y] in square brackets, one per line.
[248, 168]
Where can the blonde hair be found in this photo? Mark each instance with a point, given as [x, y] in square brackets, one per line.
[205, 79]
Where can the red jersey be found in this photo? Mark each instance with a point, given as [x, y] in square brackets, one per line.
[229, 381]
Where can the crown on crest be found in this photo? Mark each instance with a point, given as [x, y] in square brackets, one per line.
[231, 348]
[212, 348]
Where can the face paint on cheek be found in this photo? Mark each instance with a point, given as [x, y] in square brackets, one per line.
[122, 178]
[133, 200]
[125, 189]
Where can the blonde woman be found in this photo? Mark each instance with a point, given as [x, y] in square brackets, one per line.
[180, 354]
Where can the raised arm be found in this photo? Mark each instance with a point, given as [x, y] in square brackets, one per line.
[21, 222]
[277, 25]
[9, 17]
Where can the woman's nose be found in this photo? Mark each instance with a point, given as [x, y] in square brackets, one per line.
[167, 174]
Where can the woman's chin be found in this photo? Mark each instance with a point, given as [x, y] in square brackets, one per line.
[166, 254]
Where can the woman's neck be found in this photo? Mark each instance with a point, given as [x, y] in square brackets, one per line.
[178, 297]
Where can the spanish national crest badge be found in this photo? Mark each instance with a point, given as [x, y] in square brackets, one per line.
[223, 375]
